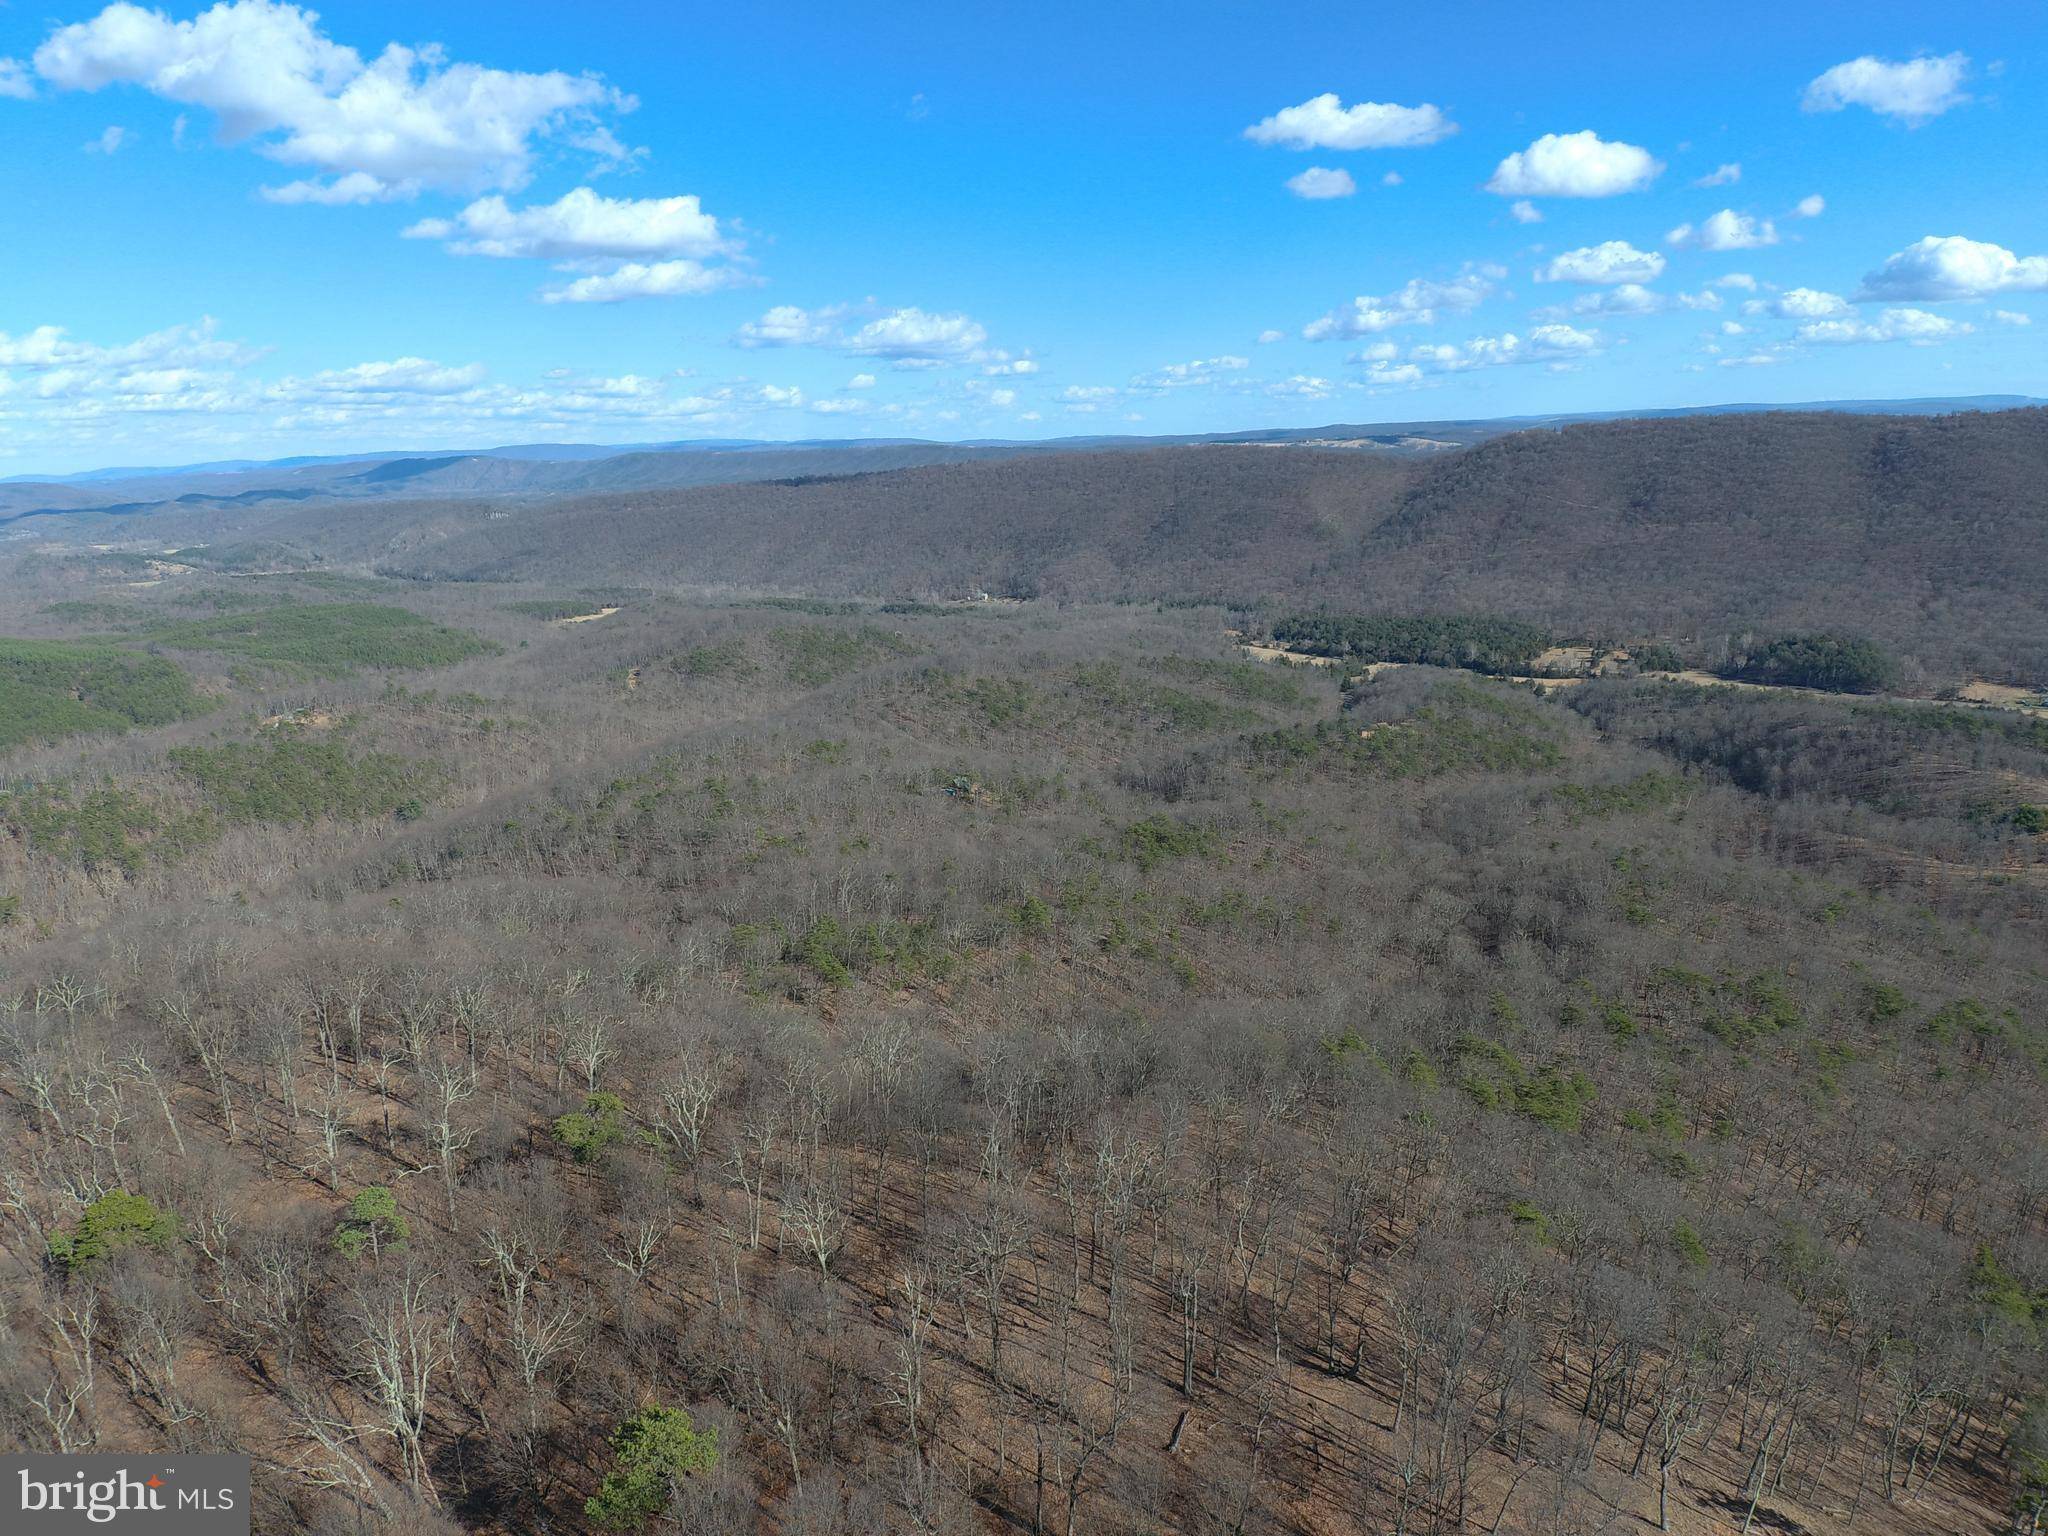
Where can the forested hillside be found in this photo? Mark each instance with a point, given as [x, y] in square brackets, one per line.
[579, 1055]
[1925, 534]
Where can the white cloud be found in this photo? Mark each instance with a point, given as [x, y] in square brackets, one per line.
[1721, 176]
[1522, 211]
[2011, 317]
[1417, 302]
[1626, 299]
[1612, 261]
[1811, 206]
[1807, 304]
[108, 142]
[15, 84]
[788, 326]
[1554, 344]
[912, 335]
[656, 280]
[1324, 122]
[580, 225]
[1911, 325]
[1937, 267]
[1302, 386]
[1725, 231]
[405, 121]
[1574, 165]
[861, 381]
[1391, 179]
[1269, 336]
[1740, 280]
[401, 376]
[1318, 182]
[1003, 398]
[1202, 370]
[1913, 92]
[1001, 365]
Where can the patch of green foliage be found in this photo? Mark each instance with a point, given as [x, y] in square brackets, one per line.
[50, 689]
[1689, 1245]
[118, 615]
[1460, 729]
[1999, 1291]
[1151, 842]
[839, 952]
[1649, 791]
[652, 1452]
[1132, 701]
[1657, 657]
[726, 659]
[1493, 1077]
[552, 608]
[115, 1221]
[815, 655]
[296, 777]
[103, 827]
[1833, 663]
[1250, 681]
[1472, 643]
[327, 639]
[593, 1130]
[373, 1222]
[1736, 1010]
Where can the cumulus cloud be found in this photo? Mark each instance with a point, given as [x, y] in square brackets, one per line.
[1914, 92]
[909, 337]
[1574, 165]
[1807, 304]
[401, 376]
[15, 84]
[1624, 299]
[787, 325]
[580, 225]
[1725, 231]
[1302, 386]
[1318, 182]
[2011, 317]
[999, 364]
[912, 335]
[1740, 280]
[861, 381]
[1721, 176]
[1554, 344]
[1268, 336]
[1811, 206]
[1917, 326]
[1203, 370]
[386, 128]
[1937, 267]
[1522, 211]
[1612, 261]
[108, 141]
[1324, 122]
[648, 280]
[1418, 302]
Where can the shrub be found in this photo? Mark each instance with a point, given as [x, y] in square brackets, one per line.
[373, 1221]
[595, 1129]
[115, 1221]
[652, 1451]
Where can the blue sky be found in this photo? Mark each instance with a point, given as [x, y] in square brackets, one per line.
[254, 231]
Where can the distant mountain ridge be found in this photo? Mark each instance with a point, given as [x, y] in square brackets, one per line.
[547, 469]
